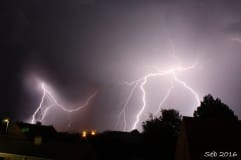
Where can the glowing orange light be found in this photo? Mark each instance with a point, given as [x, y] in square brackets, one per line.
[93, 133]
[84, 134]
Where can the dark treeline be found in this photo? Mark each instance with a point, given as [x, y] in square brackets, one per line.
[160, 134]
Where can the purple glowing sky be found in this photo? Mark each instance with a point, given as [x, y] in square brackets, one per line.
[79, 47]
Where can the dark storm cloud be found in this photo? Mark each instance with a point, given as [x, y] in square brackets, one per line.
[81, 46]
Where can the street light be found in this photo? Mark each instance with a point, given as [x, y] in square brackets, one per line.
[6, 120]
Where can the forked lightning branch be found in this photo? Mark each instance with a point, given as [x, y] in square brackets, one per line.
[140, 84]
[42, 110]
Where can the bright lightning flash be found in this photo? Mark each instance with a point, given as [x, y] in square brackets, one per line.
[49, 96]
[141, 83]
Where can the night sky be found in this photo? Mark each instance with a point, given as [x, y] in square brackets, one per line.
[78, 47]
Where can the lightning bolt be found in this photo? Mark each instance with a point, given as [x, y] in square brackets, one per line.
[165, 98]
[144, 80]
[139, 85]
[123, 111]
[47, 95]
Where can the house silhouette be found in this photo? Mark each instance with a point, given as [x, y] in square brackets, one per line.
[209, 139]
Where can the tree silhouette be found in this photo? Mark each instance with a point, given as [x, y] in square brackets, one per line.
[214, 108]
[160, 134]
[168, 123]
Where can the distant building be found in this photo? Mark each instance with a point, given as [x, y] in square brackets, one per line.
[209, 139]
[32, 131]
[22, 141]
